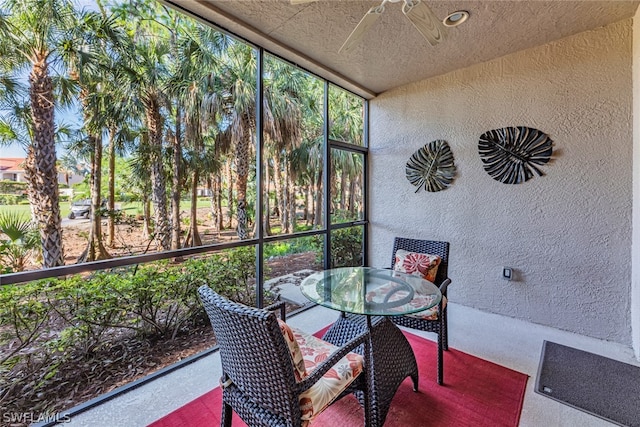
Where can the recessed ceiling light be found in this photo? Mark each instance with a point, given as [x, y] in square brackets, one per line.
[456, 18]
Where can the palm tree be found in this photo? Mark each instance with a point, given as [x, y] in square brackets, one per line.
[293, 100]
[193, 88]
[238, 98]
[90, 66]
[306, 160]
[222, 148]
[120, 117]
[346, 125]
[116, 111]
[147, 78]
[32, 34]
[147, 69]
[138, 182]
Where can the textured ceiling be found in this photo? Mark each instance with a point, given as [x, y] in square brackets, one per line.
[393, 53]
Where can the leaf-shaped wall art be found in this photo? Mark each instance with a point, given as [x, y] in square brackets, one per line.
[432, 167]
[511, 155]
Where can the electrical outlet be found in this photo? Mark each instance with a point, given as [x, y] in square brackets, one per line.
[507, 273]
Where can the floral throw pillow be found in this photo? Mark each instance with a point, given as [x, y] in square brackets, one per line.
[294, 349]
[425, 265]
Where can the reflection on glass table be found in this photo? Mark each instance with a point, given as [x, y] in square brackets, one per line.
[370, 291]
[370, 297]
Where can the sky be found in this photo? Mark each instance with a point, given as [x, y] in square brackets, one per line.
[12, 151]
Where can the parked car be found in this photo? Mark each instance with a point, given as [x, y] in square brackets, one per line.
[82, 208]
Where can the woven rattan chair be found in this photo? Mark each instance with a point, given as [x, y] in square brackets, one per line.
[437, 323]
[259, 373]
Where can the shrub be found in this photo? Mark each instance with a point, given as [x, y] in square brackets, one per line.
[26, 361]
[13, 187]
[11, 199]
[296, 246]
[18, 240]
[346, 247]
[47, 326]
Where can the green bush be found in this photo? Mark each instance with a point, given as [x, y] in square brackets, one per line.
[45, 325]
[12, 187]
[19, 239]
[346, 247]
[11, 199]
[24, 320]
[288, 247]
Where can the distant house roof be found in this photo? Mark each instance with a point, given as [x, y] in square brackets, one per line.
[13, 164]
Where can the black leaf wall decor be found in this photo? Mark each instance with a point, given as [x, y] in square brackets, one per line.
[511, 155]
[432, 167]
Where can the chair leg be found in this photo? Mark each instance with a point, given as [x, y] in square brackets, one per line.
[440, 359]
[226, 415]
[367, 405]
[444, 331]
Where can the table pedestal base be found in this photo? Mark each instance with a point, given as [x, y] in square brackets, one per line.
[389, 358]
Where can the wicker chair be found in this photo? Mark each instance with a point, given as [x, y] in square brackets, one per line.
[438, 324]
[259, 377]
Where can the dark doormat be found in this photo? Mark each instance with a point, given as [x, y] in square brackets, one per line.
[603, 387]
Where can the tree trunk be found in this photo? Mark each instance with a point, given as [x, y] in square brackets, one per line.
[291, 188]
[317, 219]
[343, 192]
[353, 188]
[229, 179]
[95, 249]
[162, 227]
[286, 204]
[333, 190]
[242, 155]
[215, 185]
[266, 215]
[193, 216]
[112, 188]
[146, 217]
[175, 183]
[287, 224]
[175, 204]
[279, 183]
[307, 199]
[40, 166]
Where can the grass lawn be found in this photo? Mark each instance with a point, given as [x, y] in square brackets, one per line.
[131, 208]
[25, 210]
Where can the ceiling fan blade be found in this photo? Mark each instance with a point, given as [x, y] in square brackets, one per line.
[363, 26]
[425, 21]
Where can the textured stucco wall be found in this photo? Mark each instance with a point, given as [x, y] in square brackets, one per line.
[567, 234]
[635, 282]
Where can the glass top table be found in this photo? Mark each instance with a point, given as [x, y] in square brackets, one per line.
[369, 299]
[370, 291]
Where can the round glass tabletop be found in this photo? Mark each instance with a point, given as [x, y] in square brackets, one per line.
[370, 291]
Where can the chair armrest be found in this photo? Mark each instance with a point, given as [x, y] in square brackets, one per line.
[444, 285]
[328, 363]
[280, 305]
